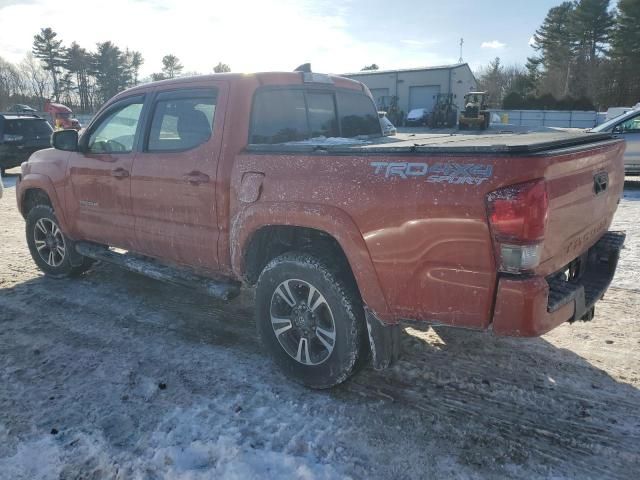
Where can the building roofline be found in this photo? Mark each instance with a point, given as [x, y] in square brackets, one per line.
[402, 70]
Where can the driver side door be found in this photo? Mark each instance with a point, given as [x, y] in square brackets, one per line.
[99, 199]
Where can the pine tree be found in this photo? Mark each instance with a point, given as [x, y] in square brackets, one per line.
[110, 68]
[625, 54]
[171, 66]
[591, 27]
[221, 68]
[136, 61]
[51, 52]
[78, 63]
[554, 40]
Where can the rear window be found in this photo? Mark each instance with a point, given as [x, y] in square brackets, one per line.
[279, 116]
[322, 115]
[27, 127]
[292, 115]
[358, 115]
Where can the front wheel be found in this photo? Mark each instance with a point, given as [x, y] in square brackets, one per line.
[310, 319]
[50, 248]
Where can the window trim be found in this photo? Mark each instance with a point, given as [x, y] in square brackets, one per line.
[177, 94]
[97, 121]
[308, 89]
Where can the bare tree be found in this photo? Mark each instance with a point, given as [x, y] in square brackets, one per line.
[39, 79]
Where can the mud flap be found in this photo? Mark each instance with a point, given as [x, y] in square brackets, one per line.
[384, 340]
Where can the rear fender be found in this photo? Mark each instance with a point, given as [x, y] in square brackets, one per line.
[330, 220]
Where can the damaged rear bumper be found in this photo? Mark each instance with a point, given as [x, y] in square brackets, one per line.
[528, 307]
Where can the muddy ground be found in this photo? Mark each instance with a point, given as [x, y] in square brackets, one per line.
[113, 375]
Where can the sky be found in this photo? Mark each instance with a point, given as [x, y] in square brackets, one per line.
[336, 36]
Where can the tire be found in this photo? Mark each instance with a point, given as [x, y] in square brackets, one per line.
[50, 249]
[318, 340]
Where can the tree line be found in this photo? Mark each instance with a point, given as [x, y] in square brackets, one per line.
[587, 56]
[75, 76]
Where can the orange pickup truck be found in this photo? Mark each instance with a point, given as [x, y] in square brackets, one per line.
[284, 181]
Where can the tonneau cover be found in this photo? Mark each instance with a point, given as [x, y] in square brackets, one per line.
[514, 143]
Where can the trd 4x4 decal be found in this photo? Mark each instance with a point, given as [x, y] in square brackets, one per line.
[455, 173]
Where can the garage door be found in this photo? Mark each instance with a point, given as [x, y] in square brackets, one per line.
[381, 96]
[422, 97]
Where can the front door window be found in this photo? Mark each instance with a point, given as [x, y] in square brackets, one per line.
[116, 133]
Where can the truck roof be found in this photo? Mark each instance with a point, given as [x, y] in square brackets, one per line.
[263, 78]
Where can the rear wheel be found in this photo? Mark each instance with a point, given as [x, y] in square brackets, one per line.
[310, 319]
[50, 249]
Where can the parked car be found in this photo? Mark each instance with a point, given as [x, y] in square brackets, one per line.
[388, 129]
[21, 134]
[628, 127]
[196, 185]
[21, 108]
[417, 117]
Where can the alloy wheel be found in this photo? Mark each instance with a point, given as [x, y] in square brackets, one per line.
[49, 242]
[302, 322]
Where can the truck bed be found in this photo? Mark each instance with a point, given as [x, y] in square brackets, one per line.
[493, 143]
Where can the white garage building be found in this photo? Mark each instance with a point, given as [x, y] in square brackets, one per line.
[417, 87]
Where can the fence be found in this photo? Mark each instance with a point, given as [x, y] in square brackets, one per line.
[546, 118]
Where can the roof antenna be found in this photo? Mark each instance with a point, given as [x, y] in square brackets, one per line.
[460, 59]
[305, 67]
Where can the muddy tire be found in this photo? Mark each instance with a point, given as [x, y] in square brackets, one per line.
[50, 249]
[310, 319]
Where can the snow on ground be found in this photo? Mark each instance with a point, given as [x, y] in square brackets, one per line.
[628, 218]
[113, 375]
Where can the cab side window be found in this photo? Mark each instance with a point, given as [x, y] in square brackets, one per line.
[631, 126]
[116, 132]
[181, 121]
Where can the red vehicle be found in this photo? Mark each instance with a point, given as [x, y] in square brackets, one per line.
[61, 116]
[284, 181]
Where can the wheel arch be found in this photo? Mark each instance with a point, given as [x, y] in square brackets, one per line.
[258, 227]
[34, 188]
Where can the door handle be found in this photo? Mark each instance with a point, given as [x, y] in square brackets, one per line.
[119, 173]
[196, 178]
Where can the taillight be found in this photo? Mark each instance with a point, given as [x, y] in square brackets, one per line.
[518, 220]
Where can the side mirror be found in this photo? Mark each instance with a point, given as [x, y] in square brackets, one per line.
[617, 129]
[66, 140]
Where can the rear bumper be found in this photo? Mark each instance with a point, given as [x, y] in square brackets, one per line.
[531, 306]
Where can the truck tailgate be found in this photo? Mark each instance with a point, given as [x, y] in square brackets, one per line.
[584, 185]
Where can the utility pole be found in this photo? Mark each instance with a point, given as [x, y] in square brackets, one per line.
[460, 59]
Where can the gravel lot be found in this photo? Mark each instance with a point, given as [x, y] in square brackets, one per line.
[113, 375]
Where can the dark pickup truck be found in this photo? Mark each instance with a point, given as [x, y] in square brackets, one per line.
[284, 181]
